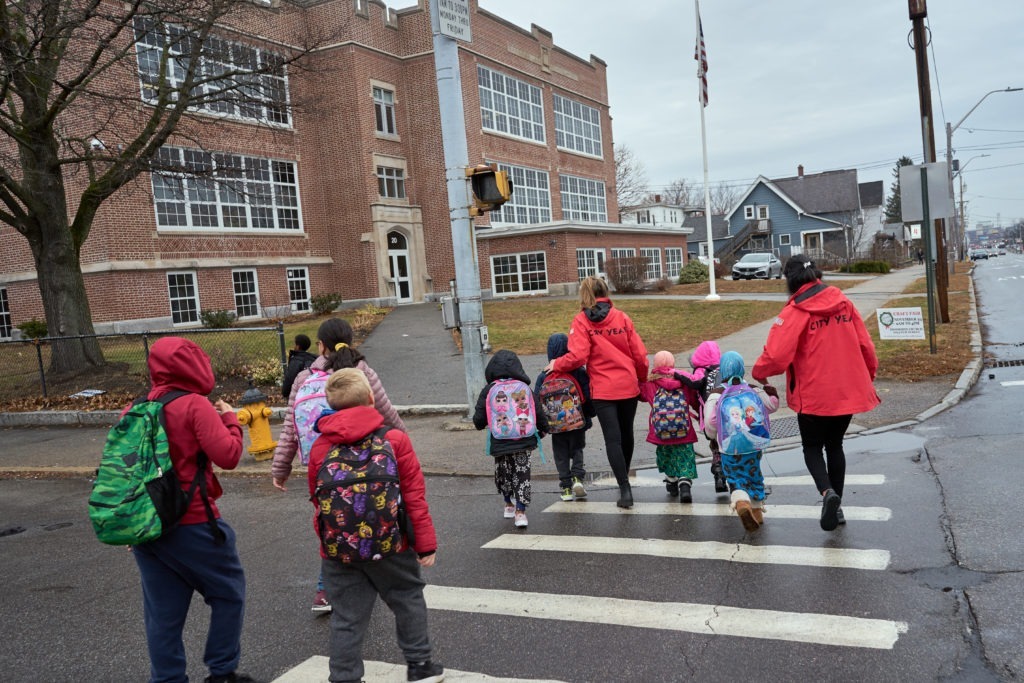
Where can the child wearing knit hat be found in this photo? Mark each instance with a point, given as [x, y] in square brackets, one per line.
[670, 426]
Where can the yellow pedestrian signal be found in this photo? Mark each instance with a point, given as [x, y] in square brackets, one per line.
[491, 188]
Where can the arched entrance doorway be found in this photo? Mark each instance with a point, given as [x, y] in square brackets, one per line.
[398, 260]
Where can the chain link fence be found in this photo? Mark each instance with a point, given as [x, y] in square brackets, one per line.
[237, 354]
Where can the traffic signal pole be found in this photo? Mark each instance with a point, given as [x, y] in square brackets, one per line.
[456, 159]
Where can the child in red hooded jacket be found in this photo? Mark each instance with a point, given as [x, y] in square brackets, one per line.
[353, 587]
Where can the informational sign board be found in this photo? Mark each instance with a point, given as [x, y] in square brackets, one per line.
[455, 19]
[940, 201]
[900, 323]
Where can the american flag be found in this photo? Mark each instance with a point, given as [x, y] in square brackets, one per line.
[701, 55]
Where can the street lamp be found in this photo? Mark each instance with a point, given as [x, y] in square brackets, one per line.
[961, 233]
[949, 144]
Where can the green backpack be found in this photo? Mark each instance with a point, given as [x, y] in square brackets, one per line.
[137, 497]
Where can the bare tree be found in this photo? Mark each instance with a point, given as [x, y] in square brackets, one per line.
[681, 192]
[854, 232]
[630, 178]
[723, 197]
[75, 129]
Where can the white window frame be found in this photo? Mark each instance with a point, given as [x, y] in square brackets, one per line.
[521, 261]
[225, 192]
[298, 275]
[785, 240]
[643, 217]
[652, 270]
[6, 328]
[191, 274]
[510, 106]
[385, 120]
[577, 127]
[391, 182]
[762, 212]
[587, 262]
[757, 243]
[673, 261]
[583, 199]
[748, 212]
[257, 92]
[246, 299]
[703, 251]
[531, 200]
[623, 252]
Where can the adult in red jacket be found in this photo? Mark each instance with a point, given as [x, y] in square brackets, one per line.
[602, 338]
[820, 342]
[198, 555]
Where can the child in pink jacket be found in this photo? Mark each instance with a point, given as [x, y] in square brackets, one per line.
[670, 427]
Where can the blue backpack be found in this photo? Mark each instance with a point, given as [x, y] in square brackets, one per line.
[743, 425]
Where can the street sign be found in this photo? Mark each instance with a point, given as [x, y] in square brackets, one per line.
[900, 323]
[940, 201]
[455, 19]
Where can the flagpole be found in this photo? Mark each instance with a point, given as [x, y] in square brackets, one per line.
[712, 296]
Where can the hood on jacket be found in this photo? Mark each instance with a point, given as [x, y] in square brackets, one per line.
[706, 355]
[824, 302]
[176, 363]
[730, 367]
[558, 345]
[350, 425]
[505, 364]
[600, 310]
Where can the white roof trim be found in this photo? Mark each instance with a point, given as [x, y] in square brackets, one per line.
[570, 226]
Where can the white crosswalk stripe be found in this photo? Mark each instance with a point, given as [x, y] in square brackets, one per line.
[804, 627]
[315, 670]
[808, 480]
[852, 513]
[840, 558]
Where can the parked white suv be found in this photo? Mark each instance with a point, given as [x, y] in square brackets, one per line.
[762, 266]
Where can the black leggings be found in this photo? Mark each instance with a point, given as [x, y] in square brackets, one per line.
[824, 431]
[616, 418]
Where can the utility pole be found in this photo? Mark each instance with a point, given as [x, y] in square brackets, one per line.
[456, 160]
[918, 12]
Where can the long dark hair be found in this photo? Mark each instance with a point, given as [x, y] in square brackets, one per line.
[335, 331]
[799, 271]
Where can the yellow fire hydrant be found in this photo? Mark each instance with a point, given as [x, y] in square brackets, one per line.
[256, 414]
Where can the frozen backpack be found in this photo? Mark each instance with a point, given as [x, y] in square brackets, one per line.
[561, 399]
[310, 404]
[360, 516]
[743, 425]
[670, 415]
[511, 412]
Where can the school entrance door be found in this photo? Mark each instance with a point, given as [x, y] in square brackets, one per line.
[398, 258]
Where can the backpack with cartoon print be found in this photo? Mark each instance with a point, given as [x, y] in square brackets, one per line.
[561, 399]
[511, 412]
[310, 403]
[670, 415]
[743, 425]
[360, 516]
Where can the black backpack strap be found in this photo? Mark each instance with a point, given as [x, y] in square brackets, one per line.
[202, 465]
[804, 296]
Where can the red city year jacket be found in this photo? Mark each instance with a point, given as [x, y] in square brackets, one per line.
[192, 423]
[603, 339]
[351, 425]
[820, 342]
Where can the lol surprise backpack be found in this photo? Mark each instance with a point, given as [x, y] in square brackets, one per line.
[359, 501]
[561, 399]
[310, 403]
[511, 412]
[670, 415]
[743, 425]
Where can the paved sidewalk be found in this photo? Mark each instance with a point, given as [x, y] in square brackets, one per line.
[423, 372]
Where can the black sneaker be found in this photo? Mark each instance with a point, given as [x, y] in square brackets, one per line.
[672, 487]
[231, 678]
[425, 672]
[721, 486]
[684, 492]
[829, 507]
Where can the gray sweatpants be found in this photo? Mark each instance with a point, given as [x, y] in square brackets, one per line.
[353, 590]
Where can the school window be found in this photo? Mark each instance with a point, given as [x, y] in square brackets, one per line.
[5, 315]
[652, 269]
[531, 200]
[673, 261]
[623, 253]
[509, 105]
[235, 80]
[391, 182]
[298, 289]
[589, 262]
[184, 298]
[384, 110]
[577, 126]
[519, 273]
[193, 189]
[247, 296]
[748, 212]
[762, 212]
[785, 240]
[583, 199]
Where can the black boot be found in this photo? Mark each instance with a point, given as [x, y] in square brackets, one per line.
[672, 487]
[625, 496]
[684, 492]
[721, 486]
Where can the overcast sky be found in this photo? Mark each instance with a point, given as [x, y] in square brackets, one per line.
[826, 84]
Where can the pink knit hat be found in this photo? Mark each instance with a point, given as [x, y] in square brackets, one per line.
[664, 359]
[706, 355]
